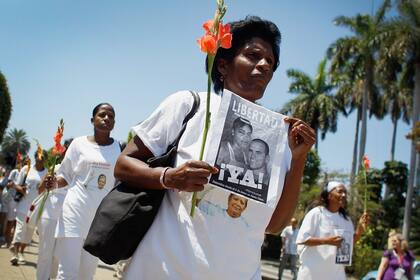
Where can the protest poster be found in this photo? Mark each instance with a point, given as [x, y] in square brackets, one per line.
[247, 145]
[344, 252]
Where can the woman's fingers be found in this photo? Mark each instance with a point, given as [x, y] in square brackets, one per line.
[190, 176]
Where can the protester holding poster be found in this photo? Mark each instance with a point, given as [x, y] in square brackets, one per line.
[223, 239]
[326, 236]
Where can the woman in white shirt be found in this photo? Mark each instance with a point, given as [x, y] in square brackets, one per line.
[29, 181]
[178, 246]
[325, 239]
[47, 264]
[87, 159]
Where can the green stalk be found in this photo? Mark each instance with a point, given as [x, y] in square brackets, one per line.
[365, 198]
[41, 207]
[47, 193]
[210, 62]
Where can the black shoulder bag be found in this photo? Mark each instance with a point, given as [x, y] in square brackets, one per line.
[126, 213]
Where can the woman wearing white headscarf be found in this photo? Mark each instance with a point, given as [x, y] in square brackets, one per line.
[325, 239]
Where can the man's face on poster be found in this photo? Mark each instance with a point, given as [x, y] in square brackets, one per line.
[257, 157]
[236, 205]
[242, 136]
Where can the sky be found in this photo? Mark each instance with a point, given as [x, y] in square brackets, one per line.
[61, 58]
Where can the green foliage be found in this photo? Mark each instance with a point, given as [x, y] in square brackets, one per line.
[307, 197]
[14, 141]
[50, 161]
[314, 104]
[5, 106]
[395, 176]
[312, 168]
[365, 258]
[374, 179]
[130, 136]
[415, 232]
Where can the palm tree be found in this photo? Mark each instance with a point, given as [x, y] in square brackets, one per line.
[402, 43]
[5, 106]
[14, 141]
[356, 56]
[314, 103]
[398, 99]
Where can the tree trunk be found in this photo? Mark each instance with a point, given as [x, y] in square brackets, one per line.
[394, 137]
[414, 155]
[355, 147]
[316, 140]
[363, 132]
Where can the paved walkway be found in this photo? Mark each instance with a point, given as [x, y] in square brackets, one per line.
[28, 270]
[103, 272]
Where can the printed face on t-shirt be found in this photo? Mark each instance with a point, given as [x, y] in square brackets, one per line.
[236, 205]
[101, 181]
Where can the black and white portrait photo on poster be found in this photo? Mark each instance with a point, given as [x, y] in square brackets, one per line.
[245, 146]
[344, 252]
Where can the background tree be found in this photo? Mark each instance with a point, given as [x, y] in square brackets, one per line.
[395, 176]
[314, 104]
[15, 140]
[401, 41]
[5, 106]
[312, 168]
[356, 56]
[398, 100]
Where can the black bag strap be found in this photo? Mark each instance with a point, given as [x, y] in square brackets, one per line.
[194, 109]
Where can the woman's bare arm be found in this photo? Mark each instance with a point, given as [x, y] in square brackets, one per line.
[382, 267]
[131, 168]
[301, 138]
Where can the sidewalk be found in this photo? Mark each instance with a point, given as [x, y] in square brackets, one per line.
[28, 270]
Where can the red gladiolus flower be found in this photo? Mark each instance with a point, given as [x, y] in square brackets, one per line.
[58, 148]
[209, 43]
[18, 157]
[366, 162]
[27, 220]
[224, 36]
[208, 25]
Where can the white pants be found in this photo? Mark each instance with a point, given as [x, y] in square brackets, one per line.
[11, 210]
[23, 233]
[46, 264]
[74, 263]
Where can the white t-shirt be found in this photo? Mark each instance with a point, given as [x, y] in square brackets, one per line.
[88, 168]
[289, 234]
[8, 194]
[208, 246]
[32, 183]
[54, 202]
[319, 262]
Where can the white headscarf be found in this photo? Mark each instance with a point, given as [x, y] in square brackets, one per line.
[333, 184]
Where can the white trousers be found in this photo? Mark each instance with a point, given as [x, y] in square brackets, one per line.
[11, 210]
[46, 263]
[74, 263]
[23, 233]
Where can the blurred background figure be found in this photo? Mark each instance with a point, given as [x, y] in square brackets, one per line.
[289, 248]
[397, 261]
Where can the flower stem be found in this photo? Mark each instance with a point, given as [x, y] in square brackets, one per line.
[41, 206]
[46, 194]
[365, 198]
[210, 61]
